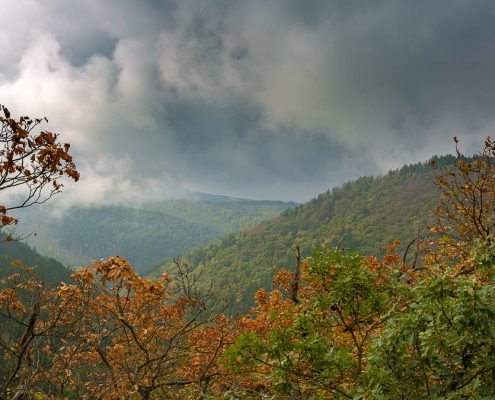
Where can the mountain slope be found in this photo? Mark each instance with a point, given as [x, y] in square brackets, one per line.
[49, 269]
[145, 237]
[221, 213]
[366, 214]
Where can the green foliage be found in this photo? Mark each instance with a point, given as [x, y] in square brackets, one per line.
[442, 347]
[314, 347]
[361, 333]
[363, 215]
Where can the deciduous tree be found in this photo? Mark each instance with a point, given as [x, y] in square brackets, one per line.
[31, 164]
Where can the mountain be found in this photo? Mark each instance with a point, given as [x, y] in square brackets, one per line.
[201, 196]
[145, 236]
[51, 271]
[222, 213]
[365, 215]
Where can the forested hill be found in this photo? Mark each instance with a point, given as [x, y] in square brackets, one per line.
[365, 214]
[47, 268]
[222, 213]
[145, 236]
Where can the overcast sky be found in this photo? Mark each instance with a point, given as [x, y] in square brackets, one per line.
[258, 98]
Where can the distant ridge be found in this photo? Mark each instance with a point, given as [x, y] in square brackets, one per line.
[201, 196]
[147, 235]
[365, 214]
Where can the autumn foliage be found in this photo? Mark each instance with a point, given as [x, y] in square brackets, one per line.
[110, 334]
[31, 163]
[340, 326]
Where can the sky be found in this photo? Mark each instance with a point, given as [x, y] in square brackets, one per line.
[264, 99]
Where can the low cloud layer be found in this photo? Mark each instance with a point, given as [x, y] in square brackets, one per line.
[278, 99]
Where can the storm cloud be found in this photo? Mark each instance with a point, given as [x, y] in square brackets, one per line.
[262, 99]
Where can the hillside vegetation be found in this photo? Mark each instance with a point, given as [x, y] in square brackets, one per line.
[145, 236]
[366, 215]
[341, 326]
[221, 213]
[50, 270]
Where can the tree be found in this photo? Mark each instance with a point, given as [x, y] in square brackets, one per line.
[441, 346]
[441, 343]
[316, 347]
[369, 329]
[111, 335]
[31, 163]
[465, 212]
[31, 317]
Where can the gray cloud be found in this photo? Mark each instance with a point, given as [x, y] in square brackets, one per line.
[278, 99]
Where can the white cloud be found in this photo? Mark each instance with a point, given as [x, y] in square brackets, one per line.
[108, 180]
